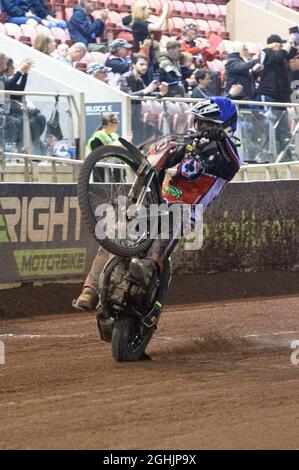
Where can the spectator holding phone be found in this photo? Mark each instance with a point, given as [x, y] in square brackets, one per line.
[133, 84]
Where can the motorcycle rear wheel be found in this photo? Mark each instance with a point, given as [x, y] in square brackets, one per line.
[115, 182]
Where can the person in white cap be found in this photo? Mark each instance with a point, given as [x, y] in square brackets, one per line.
[99, 71]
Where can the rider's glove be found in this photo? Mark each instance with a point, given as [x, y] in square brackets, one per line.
[174, 157]
[215, 134]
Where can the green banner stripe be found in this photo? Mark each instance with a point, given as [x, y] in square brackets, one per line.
[50, 262]
[3, 236]
[2, 221]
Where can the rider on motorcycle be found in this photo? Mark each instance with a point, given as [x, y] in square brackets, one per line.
[199, 178]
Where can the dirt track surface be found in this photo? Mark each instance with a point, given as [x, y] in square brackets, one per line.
[220, 377]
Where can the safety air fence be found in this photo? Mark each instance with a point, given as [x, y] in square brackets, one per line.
[252, 226]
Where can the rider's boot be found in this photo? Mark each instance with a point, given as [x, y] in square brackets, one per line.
[89, 297]
[143, 270]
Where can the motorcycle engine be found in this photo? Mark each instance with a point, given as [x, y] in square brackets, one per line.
[125, 291]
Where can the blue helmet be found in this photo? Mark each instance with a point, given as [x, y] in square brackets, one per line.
[217, 109]
[228, 112]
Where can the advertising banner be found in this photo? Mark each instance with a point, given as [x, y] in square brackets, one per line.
[41, 235]
[251, 226]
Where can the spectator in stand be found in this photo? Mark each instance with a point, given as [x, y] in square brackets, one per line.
[16, 81]
[133, 84]
[70, 55]
[76, 52]
[44, 44]
[151, 49]
[204, 81]
[83, 27]
[119, 60]
[198, 48]
[30, 12]
[170, 70]
[275, 82]
[99, 71]
[19, 12]
[275, 78]
[40, 9]
[141, 27]
[187, 69]
[61, 54]
[241, 71]
[13, 125]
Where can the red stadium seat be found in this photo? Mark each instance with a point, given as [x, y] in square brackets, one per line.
[28, 30]
[13, 30]
[215, 27]
[81, 66]
[59, 34]
[99, 57]
[41, 29]
[202, 10]
[175, 26]
[214, 12]
[203, 28]
[3, 17]
[177, 8]
[191, 10]
[126, 6]
[156, 7]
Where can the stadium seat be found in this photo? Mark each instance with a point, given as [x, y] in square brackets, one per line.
[155, 116]
[214, 12]
[183, 120]
[156, 7]
[175, 26]
[13, 30]
[190, 10]
[87, 59]
[202, 10]
[177, 8]
[59, 34]
[99, 57]
[28, 30]
[3, 17]
[82, 66]
[41, 29]
[126, 6]
[215, 27]
[203, 28]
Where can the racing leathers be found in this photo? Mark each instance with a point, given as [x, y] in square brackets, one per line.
[201, 175]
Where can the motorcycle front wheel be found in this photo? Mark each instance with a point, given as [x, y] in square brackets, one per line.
[130, 339]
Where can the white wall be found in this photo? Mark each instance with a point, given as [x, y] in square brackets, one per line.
[247, 21]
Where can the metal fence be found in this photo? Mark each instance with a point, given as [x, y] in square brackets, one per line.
[44, 124]
[269, 132]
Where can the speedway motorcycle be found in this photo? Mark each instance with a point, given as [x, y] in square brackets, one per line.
[112, 180]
